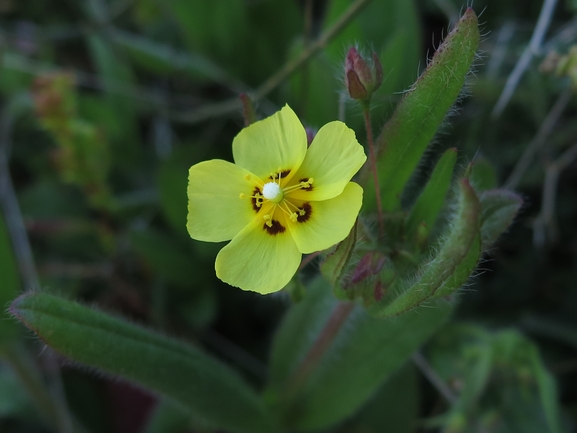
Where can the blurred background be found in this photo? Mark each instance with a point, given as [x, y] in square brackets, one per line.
[105, 104]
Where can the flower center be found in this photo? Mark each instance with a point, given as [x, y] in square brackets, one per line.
[272, 191]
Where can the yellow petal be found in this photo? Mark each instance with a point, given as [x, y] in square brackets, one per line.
[330, 221]
[332, 159]
[216, 211]
[258, 261]
[277, 142]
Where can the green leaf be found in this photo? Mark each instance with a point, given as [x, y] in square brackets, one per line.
[449, 269]
[418, 115]
[210, 390]
[499, 209]
[429, 203]
[463, 270]
[364, 352]
[479, 360]
[9, 284]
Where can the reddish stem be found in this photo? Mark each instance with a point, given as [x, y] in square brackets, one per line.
[321, 345]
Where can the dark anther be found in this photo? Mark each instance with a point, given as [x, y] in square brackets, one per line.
[306, 210]
[275, 228]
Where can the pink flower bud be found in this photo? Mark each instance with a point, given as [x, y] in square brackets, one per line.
[362, 77]
[369, 266]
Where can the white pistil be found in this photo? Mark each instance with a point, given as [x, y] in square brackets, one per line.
[272, 191]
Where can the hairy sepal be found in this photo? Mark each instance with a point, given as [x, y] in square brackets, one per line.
[449, 269]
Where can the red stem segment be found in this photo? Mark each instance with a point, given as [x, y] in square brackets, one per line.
[326, 337]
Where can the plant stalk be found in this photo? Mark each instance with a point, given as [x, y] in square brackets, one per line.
[323, 342]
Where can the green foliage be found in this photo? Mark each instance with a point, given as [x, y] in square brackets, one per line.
[502, 376]
[419, 114]
[425, 211]
[394, 407]
[499, 209]
[213, 392]
[106, 105]
[450, 268]
[364, 354]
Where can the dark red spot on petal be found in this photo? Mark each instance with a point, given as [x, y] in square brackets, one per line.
[283, 174]
[275, 228]
[306, 211]
[256, 202]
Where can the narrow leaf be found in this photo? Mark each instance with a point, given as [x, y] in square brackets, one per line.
[443, 272]
[429, 203]
[418, 115]
[363, 354]
[210, 390]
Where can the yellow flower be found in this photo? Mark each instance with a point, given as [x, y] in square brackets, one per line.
[278, 201]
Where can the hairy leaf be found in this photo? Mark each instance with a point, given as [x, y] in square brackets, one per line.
[418, 115]
[210, 390]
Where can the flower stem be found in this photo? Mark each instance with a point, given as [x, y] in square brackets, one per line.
[373, 163]
[324, 340]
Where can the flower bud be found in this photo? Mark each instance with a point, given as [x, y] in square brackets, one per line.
[369, 266]
[362, 77]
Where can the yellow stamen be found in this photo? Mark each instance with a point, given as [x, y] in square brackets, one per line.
[305, 184]
[258, 198]
[267, 220]
[242, 195]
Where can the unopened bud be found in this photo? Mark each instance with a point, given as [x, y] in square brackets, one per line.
[369, 266]
[362, 77]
